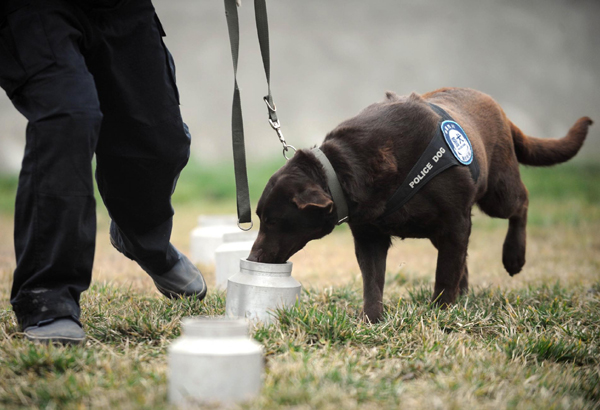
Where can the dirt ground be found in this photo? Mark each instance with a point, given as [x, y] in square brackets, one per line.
[565, 253]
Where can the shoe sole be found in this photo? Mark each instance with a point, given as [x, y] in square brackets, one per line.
[71, 341]
[174, 295]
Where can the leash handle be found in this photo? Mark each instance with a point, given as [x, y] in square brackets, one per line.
[237, 123]
[262, 28]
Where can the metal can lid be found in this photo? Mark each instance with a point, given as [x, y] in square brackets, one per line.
[214, 327]
[281, 269]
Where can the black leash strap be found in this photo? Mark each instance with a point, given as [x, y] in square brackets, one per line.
[237, 122]
[262, 27]
[436, 158]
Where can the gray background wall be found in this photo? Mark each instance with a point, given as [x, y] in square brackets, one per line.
[540, 59]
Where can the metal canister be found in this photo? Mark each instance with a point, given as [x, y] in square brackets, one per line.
[235, 246]
[214, 360]
[208, 236]
[259, 288]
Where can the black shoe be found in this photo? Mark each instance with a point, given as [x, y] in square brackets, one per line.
[183, 279]
[63, 331]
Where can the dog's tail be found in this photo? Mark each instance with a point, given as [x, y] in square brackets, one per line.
[545, 151]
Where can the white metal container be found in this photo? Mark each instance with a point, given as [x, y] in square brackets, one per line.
[235, 246]
[260, 288]
[208, 236]
[214, 360]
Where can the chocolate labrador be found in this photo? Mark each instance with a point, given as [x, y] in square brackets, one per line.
[374, 153]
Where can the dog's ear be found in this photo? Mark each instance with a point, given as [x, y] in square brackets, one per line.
[313, 198]
[391, 96]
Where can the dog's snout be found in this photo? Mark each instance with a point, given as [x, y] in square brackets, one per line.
[255, 256]
[266, 252]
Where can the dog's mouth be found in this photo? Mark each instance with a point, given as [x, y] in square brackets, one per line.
[261, 255]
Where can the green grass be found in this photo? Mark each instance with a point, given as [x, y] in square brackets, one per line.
[8, 191]
[537, 347]
[197, 184]
[577, 183]
[217, 183]
[565, 194]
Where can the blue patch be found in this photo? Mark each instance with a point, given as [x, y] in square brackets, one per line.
[457, 140]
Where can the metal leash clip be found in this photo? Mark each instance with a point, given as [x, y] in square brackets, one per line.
[276, 125]
[239, 224]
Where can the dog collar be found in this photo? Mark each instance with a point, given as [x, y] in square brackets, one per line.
[339, 199]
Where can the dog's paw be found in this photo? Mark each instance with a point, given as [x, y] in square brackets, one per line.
[512, 265]
[371, 317]
[513, 262]
[443, 298]
[513, 254]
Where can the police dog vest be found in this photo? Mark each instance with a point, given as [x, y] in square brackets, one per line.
[449, 147]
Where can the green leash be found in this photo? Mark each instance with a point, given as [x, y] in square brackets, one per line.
[237, 123]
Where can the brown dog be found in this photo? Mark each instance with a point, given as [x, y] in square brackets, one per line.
[372, 154]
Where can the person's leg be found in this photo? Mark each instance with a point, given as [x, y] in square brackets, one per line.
[55, 221]
[144, 143]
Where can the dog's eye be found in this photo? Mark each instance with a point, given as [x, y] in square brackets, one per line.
[269, 221]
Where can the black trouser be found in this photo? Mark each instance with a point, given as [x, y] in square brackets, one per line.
[89, 81]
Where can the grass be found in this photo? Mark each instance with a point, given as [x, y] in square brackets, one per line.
[8, 190]
[211, 186]
[532, 348]
[532, 341]
[214, 186]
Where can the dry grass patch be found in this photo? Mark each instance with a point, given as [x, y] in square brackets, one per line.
[532, 341]
[537, 347]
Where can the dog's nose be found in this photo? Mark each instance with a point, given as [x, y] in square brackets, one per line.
[255, 256]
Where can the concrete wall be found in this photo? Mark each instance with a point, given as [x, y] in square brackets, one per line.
[540, 59]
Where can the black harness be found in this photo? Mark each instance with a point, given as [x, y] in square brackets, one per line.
[449, 146]
[439, 155]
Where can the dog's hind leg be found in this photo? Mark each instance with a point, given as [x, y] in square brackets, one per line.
[508, 199]
[371, 253]
[513, 250]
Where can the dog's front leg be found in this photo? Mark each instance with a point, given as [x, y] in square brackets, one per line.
[463, 285]
[371, 252]
[451, 275]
